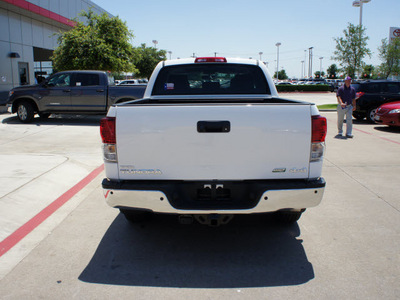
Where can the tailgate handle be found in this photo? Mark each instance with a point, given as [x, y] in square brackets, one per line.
[213, 126]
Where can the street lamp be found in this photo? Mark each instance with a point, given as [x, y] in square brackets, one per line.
[260, 55]
[320, 67]
[359, 3]
[155, 42]
[310, 59]
[170, 52]
[277, 60]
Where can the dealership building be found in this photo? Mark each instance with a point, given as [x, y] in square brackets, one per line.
[28, 37]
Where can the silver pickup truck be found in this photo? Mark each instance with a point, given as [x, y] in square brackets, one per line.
[211, 139]
[76, 92]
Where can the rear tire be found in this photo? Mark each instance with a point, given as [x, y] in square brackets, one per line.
[25, 112]
[135, 216]
[289, 217]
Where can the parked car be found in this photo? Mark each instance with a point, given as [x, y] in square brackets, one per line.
[133, 82]
[284, 83]
[76, 92]
[388, 114]
[372, 94]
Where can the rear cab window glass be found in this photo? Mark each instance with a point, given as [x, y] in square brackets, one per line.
[372, 88]
[87, 79]
[110, 79]
[207, 79]
[356, 86]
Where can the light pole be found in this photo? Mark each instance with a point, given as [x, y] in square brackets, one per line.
[320, 67]
[277, 60]
[310, 58]
[169, 52]
[260, 55]
[360, 3]
[155, 42]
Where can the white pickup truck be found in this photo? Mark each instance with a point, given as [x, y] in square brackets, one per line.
[211, 139]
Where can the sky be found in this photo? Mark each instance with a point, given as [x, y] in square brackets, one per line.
[244, 28]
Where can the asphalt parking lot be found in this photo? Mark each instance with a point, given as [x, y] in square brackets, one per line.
[60, 239]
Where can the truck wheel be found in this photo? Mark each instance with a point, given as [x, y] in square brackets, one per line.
[135, 216]
[25, 112]
[289, 217]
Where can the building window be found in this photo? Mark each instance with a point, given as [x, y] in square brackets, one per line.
[43, 69]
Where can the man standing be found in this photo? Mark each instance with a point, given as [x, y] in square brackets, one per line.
[346, 96]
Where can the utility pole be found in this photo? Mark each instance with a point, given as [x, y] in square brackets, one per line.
[320, 67]
[310, 57]
[277, 59]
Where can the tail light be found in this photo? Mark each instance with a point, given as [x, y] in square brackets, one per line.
[319, 129]
[359, 94]
[107, 132]
[210, 59]
[318, 134]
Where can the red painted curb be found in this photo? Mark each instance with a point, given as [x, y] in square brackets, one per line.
[29, 226]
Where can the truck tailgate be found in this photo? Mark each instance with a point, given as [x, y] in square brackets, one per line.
[213, 142]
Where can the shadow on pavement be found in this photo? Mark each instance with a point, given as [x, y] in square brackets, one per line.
[250, 251]
[361, 122]
[58, 119]
[387, 129]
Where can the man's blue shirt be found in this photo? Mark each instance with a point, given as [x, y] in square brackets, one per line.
[347, 94]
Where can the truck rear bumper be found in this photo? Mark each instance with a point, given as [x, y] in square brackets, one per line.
[242, 197]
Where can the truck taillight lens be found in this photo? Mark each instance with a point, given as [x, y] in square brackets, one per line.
[210, 59]
[359, 94]
[319, 129]
[107, 132]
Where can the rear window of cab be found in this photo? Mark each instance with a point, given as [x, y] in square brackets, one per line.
[210, 79]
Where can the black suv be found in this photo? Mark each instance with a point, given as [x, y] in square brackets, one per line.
[372, 94]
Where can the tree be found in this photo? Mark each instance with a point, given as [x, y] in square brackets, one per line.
[367, 71]
[146, 59]
[282, 75]
[318, 74]
[332, 71]
[390, 55]
[102, 44]
[351, 49]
